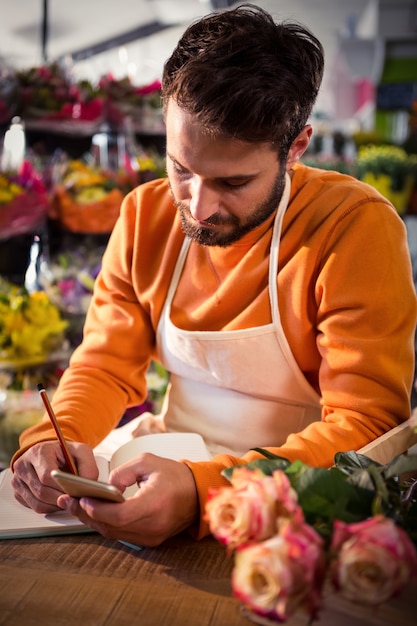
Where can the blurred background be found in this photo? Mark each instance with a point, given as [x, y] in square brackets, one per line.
[134, 37]
[81, 125]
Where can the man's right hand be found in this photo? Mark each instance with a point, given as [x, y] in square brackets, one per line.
[32, 482]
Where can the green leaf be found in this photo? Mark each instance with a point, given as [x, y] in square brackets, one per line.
[297, 467]
[401, 465]
[266, 466]
[379, 482]
[269, 466]
[348, 461]
[160, 369]
[325, 495]
[381, 499]
[268, 454]
[362, 478]
[294, 472]
[409, 523]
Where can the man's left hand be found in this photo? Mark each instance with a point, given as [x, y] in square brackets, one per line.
[165, 504]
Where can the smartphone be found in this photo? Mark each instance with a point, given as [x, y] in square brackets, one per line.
[78, 487]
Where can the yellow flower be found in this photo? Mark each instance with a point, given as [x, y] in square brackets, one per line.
[146, 164]
[390, 170]
[8, 189]
[390, 160]
[84, 179]
[30, 325]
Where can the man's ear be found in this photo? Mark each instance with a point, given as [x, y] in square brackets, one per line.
[299, 146]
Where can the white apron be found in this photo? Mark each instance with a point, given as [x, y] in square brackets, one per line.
[239, 389]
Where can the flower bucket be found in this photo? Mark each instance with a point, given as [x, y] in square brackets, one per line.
[96, 217]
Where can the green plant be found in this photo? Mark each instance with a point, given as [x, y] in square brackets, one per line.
[386, 160]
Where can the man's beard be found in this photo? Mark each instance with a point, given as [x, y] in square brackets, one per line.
[213, 237]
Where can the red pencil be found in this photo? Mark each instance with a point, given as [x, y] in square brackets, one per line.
[62, 442]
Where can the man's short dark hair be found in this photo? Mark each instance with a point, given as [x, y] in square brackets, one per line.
[246, 77]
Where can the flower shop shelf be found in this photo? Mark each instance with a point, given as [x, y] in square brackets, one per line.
[84, 129]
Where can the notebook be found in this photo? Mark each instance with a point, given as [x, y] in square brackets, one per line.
[18, 521]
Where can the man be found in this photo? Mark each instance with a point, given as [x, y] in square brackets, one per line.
[285, 315]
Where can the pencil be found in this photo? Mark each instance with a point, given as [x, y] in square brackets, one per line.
[64, 446]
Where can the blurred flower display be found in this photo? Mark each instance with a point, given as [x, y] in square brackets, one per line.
[67, 207]
[87, 198]
[15, 184]
[24, 200]
[46, 92]
[33, 348]
[123, 98]
[326, 162]
[69, 283]
[391, 170]
[157, 379]
[8, 93]
[21, 405]
[31, 326]
[296, 530]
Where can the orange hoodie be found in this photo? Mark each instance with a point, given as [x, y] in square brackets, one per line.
[347, 305]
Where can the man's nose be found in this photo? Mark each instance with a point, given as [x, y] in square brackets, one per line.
[204, 200]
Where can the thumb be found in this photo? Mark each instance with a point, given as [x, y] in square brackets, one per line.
[128, 474]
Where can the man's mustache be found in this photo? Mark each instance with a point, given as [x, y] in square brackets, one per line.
[214, 220]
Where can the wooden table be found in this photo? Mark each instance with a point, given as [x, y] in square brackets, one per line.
[86, 580]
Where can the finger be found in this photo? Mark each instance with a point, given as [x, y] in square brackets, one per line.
[95, 510]
[72, 505]
[126, 476]
[136, 471]
[141, 519]
[142, 532]
[36, 496]
[120, 521]
[85, 460]
[85, 509]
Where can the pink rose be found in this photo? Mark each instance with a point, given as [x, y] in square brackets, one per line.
[373, 560]
[251, 508]
[282, 574]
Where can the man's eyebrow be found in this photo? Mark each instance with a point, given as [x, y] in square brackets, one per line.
[220, 178]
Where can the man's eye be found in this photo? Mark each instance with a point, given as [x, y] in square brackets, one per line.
[181, 171]
[234, 184]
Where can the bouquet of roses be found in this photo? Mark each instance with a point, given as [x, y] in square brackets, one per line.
[294, 528]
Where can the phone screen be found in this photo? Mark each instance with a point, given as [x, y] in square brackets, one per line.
[78, 487]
